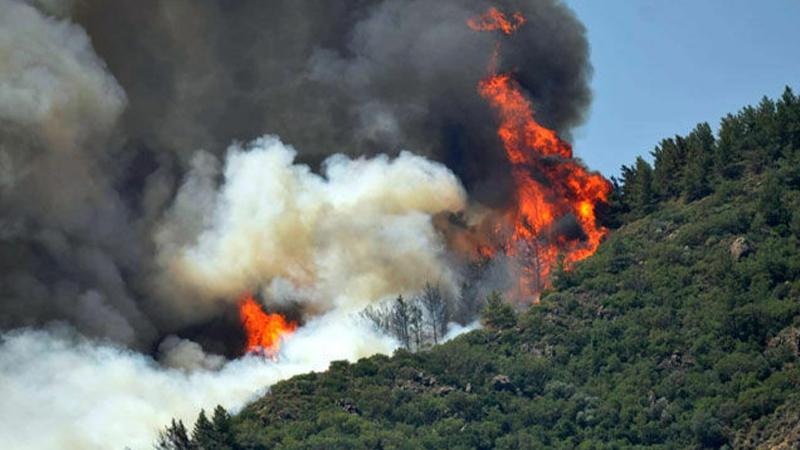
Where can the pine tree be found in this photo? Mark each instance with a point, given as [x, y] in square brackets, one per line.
[174, 437]
[437, 310]
[416, 327]
[643, 197]
[669, 159]
[203, 436]
[700, 144]
[223, 435]
[616, 207]
[788, 120]
[763, 138]
[728, 150]
[561, 278]
[771, 204]
[497, 313]
[627, 177]
[400, 321]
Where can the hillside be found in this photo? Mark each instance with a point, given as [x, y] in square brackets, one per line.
[683, 331]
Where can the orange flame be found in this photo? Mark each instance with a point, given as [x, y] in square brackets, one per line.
[264, 331]
[494, 20]
[550, 184]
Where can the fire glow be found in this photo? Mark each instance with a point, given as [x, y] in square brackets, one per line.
[264, 331]
[551, 187]
[494, 20]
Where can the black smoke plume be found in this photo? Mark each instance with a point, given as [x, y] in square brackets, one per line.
[96, 139]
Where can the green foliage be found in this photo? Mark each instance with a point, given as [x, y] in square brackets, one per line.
[416, 323]
[497, 313]
[638, 191]
[670, 158]
[696, 179]
[771, 203]
[663, 339]
[203, 435]
[174, 437]
[691, 167]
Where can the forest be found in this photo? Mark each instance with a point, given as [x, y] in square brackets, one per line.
[681, 332]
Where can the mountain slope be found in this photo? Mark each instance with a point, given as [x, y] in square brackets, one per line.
[683, 331]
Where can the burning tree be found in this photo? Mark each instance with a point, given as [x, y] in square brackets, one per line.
[551, 186]
[264, 331]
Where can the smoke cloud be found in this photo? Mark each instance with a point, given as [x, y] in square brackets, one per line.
[65, 238]
[360, 231]
[129, 218]
[104, 107]
[366, 76]
[61, 390]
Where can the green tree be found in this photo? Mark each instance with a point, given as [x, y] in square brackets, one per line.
[788, 120]
[696, 174]
[497, 313]
[612, 216]
[669, 159]
[771, 204]
[642, 194]
[437, 310]
[203, 436]
[762, 137]
[174, 437]
[728, 150]
[400, 321]
[223, 435]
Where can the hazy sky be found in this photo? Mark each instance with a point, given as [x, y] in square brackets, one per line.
[660, 67]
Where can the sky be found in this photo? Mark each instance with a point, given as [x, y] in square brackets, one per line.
[661, 67]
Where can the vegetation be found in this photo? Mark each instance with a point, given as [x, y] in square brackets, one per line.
[422, 321]
[214, 434]
[683, 331]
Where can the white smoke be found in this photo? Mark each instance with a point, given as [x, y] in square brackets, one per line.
[63, 391]
[334, 242]
[58, 108]
[357, 233]
[51, 79]
[177, 353]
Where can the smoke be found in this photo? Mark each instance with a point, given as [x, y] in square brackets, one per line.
[66, 239]
[126, 213]
[178, 353]
[358, 232]
[105, 105]
[61, 390]
[367, 76]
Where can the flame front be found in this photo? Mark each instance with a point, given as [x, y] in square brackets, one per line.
[264, 331]
[550, 185]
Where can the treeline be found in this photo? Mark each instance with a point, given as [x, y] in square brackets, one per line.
[682, 331]
[423, 321]
[693, 166]
[214, 434]
[416, 323]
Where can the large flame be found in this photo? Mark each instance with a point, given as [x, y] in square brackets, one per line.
[264, 331]
[552, 188]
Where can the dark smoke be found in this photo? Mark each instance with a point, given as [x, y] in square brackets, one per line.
[81, 190]
[360, 76]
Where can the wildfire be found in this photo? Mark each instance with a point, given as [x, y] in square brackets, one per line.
[551, 186]
[493, 20]
[264, 331]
